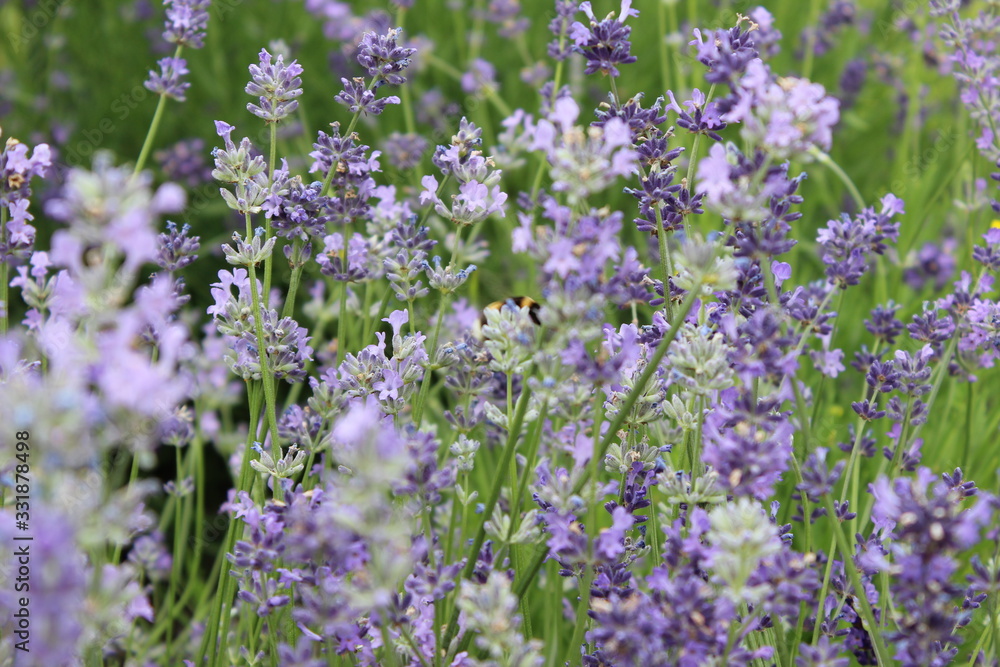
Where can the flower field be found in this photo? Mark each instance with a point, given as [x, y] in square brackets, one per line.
[458, 333]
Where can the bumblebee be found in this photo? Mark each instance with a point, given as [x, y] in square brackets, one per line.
[519, 302]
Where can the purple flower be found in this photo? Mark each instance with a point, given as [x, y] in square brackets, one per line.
[935, 263]
[820, 655]
[767, 38]
[357, 98]
[930, 523]
[559, 49]
[726, 53]
[109, 205]
[852, 79]
[604, 44]
[389, 385]
[974, 60]
[817, 477]
[747, 445]
[383, 58]
[659, 192]
[725, 176]
[186, 22]
[847, 244]
[697, 116]
[58, 582]
[300, 426]
[989, 256]
[404, 151]
[867, 410]
[16, 173]
[883, 323]
[840, 13]
[481, 76]
[351, 185]
[914, 371]
[931, 328]
[882, 377]
[301, 655]
[176, 248]
[474, 203]
[787, 119]
[277, 86]
[506, 14]
[151, 557]
[300, 212]
[413, 243]
[763, 350]
[241, 164]
[169, 80]
[583, 163]
[184, 162]
[828, 362]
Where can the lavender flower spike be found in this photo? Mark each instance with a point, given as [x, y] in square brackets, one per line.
[383, 58]
[169, 80]
[277, 85]
[186, 22]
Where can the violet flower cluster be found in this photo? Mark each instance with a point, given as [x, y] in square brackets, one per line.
[646, 458]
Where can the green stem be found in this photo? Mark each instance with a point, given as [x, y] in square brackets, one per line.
[154, 125]
[520, 587]
[847, 554]
[350, 128]
[824, 590]
[805, 429]
[266, 374]
[967, 444]
[175, 569]
[939, 374]
[478, 34]
[811, 39]
[224, 591]
[661, 24]
[573, 650]
[341, 326]
[132, 476]
[373, 324]
[268, 261]
[388, 652]
[448, 69]
[413, 645]
[529, 466]
[665, 269]
[516, 552]
[694, 147]
[696, 466]
[680, 86]
[513, 432]
[199, 502]
[647, 374]
[827, 161]
[454, 518]
[293, 285]
[404, 90]
[425, 384]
